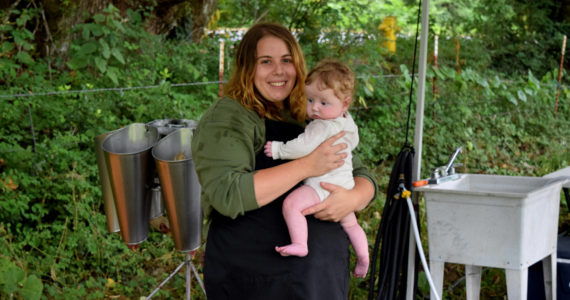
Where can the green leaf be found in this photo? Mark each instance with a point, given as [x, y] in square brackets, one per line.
[522, 95]
[112, 74]
[10, 276]
[97, 29]
[24, 57]
[77, 62]
[117, 54]
[85, 33]
[88, 48]
[511, 98]
[6, 46]
[482, 82]
[118, 25]
[32, 288]
[99, 18]
[105, 50]
[101, 64]
[369, 87]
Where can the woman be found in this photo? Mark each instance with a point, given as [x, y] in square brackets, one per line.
[243, 190]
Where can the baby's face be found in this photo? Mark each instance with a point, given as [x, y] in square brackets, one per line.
[323, 103]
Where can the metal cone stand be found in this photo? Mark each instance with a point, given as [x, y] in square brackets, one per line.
[181, 194]
[129, 185]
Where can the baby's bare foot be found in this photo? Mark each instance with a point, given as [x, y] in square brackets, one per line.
[293, 250]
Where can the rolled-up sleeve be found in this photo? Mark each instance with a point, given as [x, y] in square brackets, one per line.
[223, 149]
[359, 170]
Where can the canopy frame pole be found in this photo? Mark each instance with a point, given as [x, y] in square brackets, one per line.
[418, 135]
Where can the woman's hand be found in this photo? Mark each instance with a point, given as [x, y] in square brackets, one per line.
[341, 201]
[326, 157]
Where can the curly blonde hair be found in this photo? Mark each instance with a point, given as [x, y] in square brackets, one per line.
[336, 76]
[241, 85]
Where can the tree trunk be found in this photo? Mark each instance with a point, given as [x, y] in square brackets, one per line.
[202, 11]
[54, 25]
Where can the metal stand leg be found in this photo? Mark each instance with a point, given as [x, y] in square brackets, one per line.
[188, 277]
[189, 268]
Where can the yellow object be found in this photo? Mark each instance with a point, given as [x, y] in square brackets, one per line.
[406, 194]
[389, 28]
[110, 283]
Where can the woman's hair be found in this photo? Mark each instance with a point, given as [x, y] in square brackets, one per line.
[241, 84]
[334, 75]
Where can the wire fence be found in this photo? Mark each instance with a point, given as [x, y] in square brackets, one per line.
[118, 89]
[124, 89]
[555, 84]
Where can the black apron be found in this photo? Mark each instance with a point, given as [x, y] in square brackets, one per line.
[241, 261]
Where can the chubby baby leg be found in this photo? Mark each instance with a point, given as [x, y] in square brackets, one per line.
[358, 240]
[293, 205]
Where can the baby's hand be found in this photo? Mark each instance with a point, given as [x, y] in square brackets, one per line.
[267, 149]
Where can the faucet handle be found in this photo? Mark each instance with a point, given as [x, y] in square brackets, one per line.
[435, 173]
[452, 168]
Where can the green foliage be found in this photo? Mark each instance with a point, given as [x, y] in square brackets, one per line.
[14, 281]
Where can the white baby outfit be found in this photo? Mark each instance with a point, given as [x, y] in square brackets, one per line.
[316, 132]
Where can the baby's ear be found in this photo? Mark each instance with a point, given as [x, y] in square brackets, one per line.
[346, 103]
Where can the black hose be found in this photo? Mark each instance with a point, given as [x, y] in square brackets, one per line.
[392, 238]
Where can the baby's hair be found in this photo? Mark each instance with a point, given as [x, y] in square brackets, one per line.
[334, 75]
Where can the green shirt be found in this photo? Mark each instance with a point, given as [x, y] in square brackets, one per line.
[224, 146]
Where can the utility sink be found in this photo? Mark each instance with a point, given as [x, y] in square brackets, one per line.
[492, 220]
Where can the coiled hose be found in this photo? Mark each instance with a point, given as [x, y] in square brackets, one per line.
[392, 238]
[393, 235]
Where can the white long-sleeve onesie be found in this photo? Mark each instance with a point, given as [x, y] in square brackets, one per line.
[316, 132]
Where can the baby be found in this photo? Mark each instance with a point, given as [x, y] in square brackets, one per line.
[329, 89]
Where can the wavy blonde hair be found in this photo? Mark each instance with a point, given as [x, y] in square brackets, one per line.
[241, 86]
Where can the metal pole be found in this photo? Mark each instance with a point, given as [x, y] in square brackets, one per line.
[166, 280]
[188, 275]
[418, 138]
[221, 70]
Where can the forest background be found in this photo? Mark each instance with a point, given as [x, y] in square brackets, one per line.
[71, 70]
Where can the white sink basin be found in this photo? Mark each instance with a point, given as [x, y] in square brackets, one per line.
[491, 220]
[482, 184]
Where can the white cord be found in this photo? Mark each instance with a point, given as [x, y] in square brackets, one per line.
[419, 246]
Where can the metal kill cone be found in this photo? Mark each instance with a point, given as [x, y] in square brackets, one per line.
[106, 189]
[164, 127]
[180, 188]
[128, 159]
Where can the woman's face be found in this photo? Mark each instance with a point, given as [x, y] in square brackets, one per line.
[275, 73]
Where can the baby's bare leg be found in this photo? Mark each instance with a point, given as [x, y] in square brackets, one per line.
[293, 205]
[359, 243]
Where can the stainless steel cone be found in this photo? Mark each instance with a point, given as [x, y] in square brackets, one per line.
[164, 127]
[180, 188]
[129, 161]
[106, 190]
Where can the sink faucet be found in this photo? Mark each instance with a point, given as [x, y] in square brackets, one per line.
[446, 172]
[449, 166]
